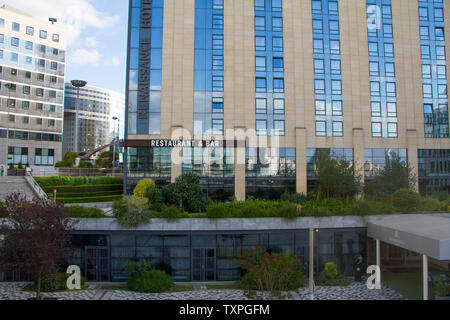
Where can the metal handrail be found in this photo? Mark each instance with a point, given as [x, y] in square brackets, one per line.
[35, 186]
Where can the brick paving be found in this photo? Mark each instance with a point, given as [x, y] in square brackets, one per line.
[355, 291]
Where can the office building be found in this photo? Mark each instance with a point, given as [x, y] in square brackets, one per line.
[364, 79]
[32, 66]
[96, 107]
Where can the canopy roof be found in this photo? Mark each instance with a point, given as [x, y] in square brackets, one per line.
[425, 234]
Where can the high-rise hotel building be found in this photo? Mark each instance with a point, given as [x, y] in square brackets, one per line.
[32, 66]
[363, 79]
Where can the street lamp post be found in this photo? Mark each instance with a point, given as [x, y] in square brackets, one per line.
[114, 146]
[77, 84]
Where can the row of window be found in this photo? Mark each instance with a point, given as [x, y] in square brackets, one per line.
[29, 45]
[43, 34]
[337, 128]
[25, 105]
[28, 76]
[26, 120]
[42, 157]
[41, 63]
[261, 85]
[39, 92]
[262, 130]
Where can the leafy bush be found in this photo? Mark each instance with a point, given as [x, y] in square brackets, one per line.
[406, 200]
[55, 282]
[396, 175]
[288, 211]
[445, 206]
[154, 195]
[171, 213]
[441, 287]
[89, 199]
[331, 277]
[431, 204]
[186, 193]
[85, 212]
[141, 188]
[132, 211]
[324, 208]
[143, 279]
[368, 207]
[294, 197]
[442, 195]
[218, 211]
[273, 272]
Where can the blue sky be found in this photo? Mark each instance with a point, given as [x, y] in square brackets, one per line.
[97, 37]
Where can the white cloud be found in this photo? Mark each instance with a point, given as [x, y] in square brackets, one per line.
[75, 15]
[86, 57]
[115, 61]
[91, 42]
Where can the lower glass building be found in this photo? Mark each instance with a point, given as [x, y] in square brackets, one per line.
[204, 256]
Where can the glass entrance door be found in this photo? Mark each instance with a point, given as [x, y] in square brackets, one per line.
[96, 264]
[203, 264]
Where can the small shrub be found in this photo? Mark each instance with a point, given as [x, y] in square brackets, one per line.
[218, 211]
[84, 212]
[406, 200]
[142, 187]
[55, 282]
[331, 277]
[154, 194]
[431, 204]
[296, 198]
[273, 272]
[442, 195]
[362, 208]
[146, 280]
[445, 206]
[132, 211]
[288, 212]
[171, 213]
[441, 287]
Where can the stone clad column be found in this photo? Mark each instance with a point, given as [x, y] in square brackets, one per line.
[411, 138]
[239, 164]
[300, 160]
[177, 156]
[358, 152]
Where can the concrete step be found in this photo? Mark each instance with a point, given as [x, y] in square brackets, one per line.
[10, 185]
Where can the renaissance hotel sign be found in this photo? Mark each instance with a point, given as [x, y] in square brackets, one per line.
[143, 100]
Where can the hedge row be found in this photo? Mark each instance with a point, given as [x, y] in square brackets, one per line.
[90, 194]
[89, 199]
[83, 189]
[76, 181]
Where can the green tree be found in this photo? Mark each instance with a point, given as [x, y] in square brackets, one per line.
[85, 165]
[68, 160]
[186, 193]
[336, 177]
[142, 186]
[105, 159]
[396, 175]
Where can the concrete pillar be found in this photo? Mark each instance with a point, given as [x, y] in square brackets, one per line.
[411, 137]
[177, 153]
[358, 152]
[239, 171]
[300, 158]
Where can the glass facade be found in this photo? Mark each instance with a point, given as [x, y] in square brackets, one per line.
[382, 69]
[434, 170]
[375, 160]
[145, 65]
[327, 68]
[434, 68]
[270, 172]
[269, 68]
[209, 67]
[149, 162]
[177, 252]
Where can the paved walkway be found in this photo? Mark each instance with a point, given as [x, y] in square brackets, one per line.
[10, 184]
[355, 291]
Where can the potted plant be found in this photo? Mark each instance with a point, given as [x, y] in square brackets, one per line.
[442, 288]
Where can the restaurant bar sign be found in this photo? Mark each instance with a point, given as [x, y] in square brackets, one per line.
[143, 100]
[180, 143]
